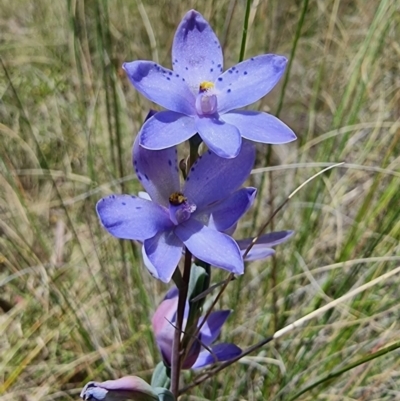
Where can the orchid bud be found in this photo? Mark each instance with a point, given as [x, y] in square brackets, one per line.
[125, 388]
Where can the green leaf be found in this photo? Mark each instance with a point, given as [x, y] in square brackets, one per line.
[161, 376]
[164, 394]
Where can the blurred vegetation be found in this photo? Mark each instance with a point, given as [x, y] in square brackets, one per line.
[75, 303]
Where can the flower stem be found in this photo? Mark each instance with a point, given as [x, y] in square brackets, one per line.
[177, 352]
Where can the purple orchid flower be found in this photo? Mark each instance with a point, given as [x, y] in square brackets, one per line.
[203, 352]
[194, 215]
[125, 388]
[201, 99]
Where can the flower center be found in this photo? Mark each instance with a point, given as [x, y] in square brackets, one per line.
[179, 208]
[206, 101]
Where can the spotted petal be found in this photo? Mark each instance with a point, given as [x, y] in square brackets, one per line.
[161, 86]
[196, 52]
[260, 127]
[129, 217]
[212, 178]
[248, 81]
[157, 170]
[166, 129]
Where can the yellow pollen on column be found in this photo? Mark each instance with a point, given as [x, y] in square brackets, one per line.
[206, 86]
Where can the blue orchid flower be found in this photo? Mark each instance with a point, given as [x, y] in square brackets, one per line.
[194, 215]
[201, 98]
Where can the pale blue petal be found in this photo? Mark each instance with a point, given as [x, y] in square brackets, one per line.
[213, 178]
[258, 252]
[227, 212]
[196, 52]
[157, 170]
[260, 127]
[212, 328]
[164, 252]
[270, 239]
[166, 129]
[221, 352]
[222, 138]
[129, 217]
[161, 86]
[211, 246]
[248, 81]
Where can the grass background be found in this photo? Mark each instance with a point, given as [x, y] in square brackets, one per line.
[75, 302]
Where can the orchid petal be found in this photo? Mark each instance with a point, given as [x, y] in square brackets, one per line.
[222, 138]
[211, 246]
[270, 239]
[163, 327]
[166, 129]
[157, 170]
[221, 352]
[258, 252]
[161, 86]
[212, 178]
[192, 355]
[164, 251]
[248, 81]
[213, 325]
[130, 217]
[260, 127]
[125, 388]
[227, 212]
[196, 52]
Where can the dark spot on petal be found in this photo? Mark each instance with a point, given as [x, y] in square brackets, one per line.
[209, 152]
[169, 79]
[135, 162]
[133, 196]
[211, 69]
[147, 178]
[177, 75]
[252, 59]
[188, 178]
[170, 73]
[192, 169]
[138, 207]
[186, 68]
[139, 177]
[230, 71]
[212, 62]
[123, 203]
[229, 91]
[219, 79]
[219, 65]
[169, 162]
[136, 171]
[183, 79]
[176, 60]
[233, 68]
[245, 73]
